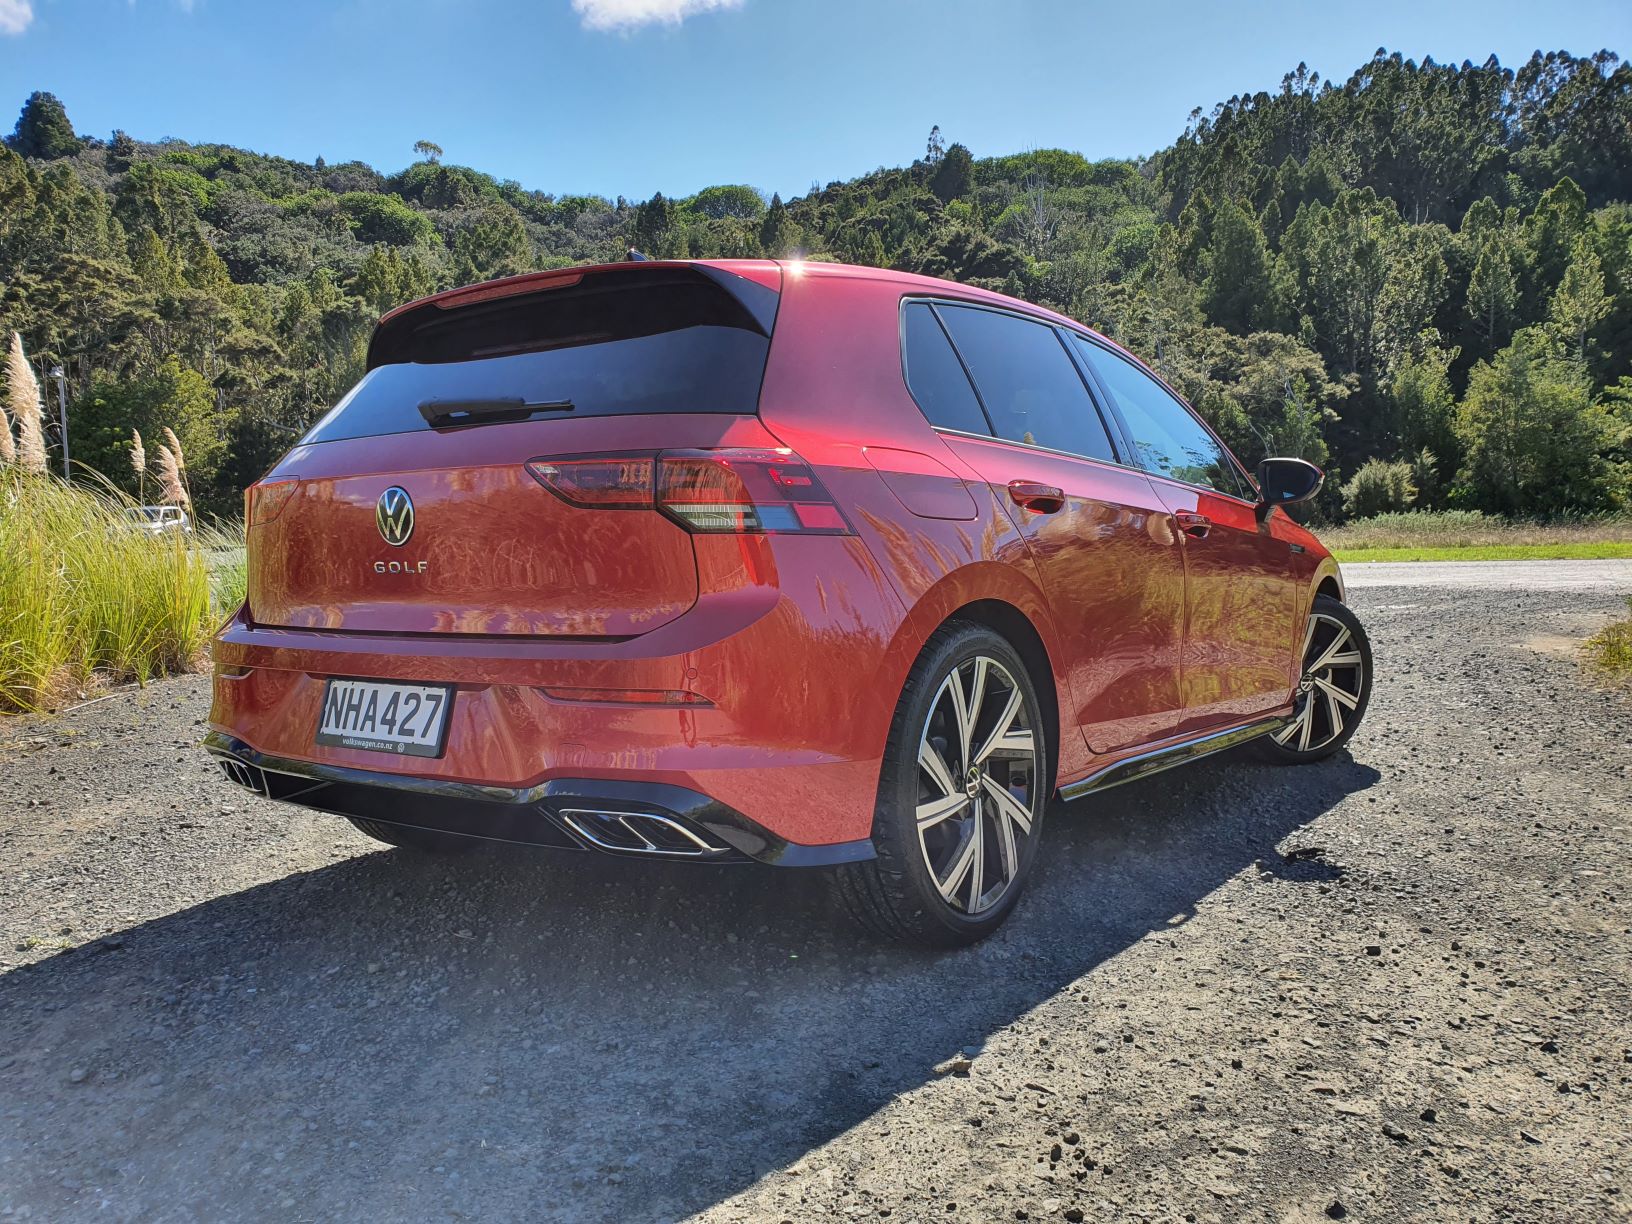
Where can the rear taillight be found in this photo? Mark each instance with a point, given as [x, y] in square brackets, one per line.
[263, 502]
[724, 491]
[599, 482]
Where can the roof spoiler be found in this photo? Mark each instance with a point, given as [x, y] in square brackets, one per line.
[756, 289]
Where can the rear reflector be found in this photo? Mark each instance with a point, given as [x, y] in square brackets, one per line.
[263, 502]
[606, 482]
[738, 490]
[658, 697]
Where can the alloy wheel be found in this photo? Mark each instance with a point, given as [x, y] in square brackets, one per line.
[1330, 688]
[977, 781]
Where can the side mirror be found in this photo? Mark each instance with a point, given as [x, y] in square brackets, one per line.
[1283, 482]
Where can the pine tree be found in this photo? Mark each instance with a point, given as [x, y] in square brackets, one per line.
[954, 176]
[1580, 303]
[43, 129]
[1493, 291]
[777, 233]
[1236, 288]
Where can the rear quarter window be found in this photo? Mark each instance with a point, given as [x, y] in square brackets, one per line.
[935, 376]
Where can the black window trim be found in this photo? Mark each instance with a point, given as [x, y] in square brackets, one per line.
[1127, 433]
[906, 371]
[1115, 431]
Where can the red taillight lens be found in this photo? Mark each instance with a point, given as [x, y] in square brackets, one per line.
[745, 490]
[598, 482]
[737, 490]
[263, 502]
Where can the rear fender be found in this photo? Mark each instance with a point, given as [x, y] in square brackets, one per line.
[986, 582]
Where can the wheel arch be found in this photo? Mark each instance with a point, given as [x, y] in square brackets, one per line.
[999, 597]
[1328, 581]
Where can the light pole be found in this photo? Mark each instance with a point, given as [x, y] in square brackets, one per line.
[62, 412]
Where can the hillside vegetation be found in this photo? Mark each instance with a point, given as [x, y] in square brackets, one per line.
[1420, 277]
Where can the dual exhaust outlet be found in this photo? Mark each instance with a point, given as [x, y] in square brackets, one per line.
[638, 833]
[650, 834]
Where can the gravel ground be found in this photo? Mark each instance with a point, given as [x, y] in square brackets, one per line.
[1396, 985]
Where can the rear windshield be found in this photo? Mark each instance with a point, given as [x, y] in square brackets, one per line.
[668, 340]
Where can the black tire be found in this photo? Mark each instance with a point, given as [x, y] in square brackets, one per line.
[896, 895]
[1323, 695]
[426, 841]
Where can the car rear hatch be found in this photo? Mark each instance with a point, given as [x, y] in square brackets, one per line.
[440, 496]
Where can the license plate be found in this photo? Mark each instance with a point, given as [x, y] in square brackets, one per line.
[404, 719]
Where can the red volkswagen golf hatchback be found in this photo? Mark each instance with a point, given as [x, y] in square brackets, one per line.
[793, 563]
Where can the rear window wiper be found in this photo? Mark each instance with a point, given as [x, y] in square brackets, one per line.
[440, 413]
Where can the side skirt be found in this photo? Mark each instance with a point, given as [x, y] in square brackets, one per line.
[1147, 763]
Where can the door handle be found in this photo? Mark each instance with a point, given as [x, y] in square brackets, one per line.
[1042, 498]
[1194, 525]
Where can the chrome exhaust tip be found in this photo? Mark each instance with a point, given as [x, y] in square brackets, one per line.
[245, 775]
[639, 833]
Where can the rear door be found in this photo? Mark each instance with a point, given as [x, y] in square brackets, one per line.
[1105, 547]
[411, 507]
[1241, 591]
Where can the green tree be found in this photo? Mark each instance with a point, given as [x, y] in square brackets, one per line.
[935, 148]
[385, 218]
[653, 233]
[43, 129]
[1580, 303]
[777, 233]
[1549, 237]
[954, 176]
[428, 150]
[730, 202]
[1493, 291]
[1235, 291]
[386, 279]
[172, 397]
[493, 243]
[1531, 438]
[1424, 407]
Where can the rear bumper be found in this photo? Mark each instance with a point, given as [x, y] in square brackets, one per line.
[789, 679]
[640, 819]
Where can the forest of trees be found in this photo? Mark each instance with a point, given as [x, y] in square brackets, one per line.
[1420, 277]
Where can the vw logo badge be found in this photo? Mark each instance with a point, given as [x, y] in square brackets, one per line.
[394, 516]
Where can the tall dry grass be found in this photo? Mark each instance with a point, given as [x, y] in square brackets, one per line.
[84, 598]
[1471, 529]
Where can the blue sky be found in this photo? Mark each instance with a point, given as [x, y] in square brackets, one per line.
[635, 96]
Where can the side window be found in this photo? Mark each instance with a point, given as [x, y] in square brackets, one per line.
[1169, 441]
[935, 375]
[1026, 380]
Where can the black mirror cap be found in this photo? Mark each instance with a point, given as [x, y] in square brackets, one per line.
[1285, 482]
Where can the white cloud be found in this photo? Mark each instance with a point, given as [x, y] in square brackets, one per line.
[15, 16]
[631, 14]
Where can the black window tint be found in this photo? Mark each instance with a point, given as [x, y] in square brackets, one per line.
[935, 375]
[1167, 438]
[1031, 390]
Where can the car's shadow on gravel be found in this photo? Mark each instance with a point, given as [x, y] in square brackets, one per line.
[516, 1033]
